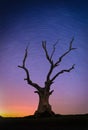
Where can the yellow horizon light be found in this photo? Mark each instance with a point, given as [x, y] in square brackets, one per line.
[12, 114]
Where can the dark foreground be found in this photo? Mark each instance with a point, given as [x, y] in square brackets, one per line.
[59, 122]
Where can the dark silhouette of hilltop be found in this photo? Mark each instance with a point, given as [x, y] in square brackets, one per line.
[57, 122]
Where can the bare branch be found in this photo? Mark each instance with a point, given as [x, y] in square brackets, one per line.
[51, 92]
[53, 65]
[70, 46]
[25, 56]
[46, 52]
[27, 73]
[54, 47]
[62, 71]
[48, 82]
[49, 79]
[63, 55]
[36, 92]
[29, 81]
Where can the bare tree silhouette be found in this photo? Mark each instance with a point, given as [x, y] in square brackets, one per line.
[45, 92]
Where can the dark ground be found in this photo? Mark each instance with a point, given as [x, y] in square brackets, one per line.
[59, 122]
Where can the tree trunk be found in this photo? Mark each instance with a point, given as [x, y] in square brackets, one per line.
[44, 108]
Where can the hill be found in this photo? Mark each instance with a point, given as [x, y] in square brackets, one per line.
[58, 122]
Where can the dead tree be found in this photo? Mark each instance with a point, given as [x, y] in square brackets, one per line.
[46, 91]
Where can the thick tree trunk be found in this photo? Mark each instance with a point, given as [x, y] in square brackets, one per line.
[44, 108]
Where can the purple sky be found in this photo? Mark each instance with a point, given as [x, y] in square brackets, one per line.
[23, 22]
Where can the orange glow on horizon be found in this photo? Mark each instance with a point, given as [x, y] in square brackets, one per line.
[17, 112]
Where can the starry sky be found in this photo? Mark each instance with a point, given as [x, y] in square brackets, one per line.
[24, 22]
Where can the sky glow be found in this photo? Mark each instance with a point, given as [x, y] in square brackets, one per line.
[23, 22]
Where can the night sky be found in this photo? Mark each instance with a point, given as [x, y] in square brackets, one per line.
[23, 22]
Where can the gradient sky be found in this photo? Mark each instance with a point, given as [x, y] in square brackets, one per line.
[23, 22]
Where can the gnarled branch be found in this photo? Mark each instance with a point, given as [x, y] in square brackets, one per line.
[51, 92]
[46, 52]
[54, 47]
[63, 55]
[62, 71]
[49, 58]
[53, 65]
[29, 81]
